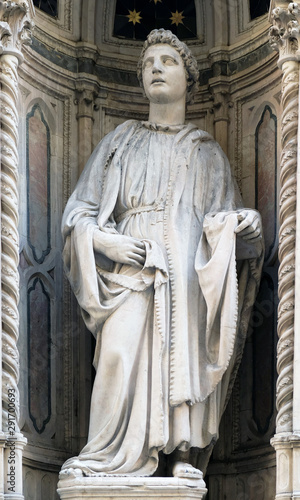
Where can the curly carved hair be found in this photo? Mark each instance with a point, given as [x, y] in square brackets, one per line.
[166, 36]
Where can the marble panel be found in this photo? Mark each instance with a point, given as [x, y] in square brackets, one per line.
[38, 178]
[39, 376]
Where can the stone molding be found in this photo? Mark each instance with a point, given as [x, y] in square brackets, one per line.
[128, 488]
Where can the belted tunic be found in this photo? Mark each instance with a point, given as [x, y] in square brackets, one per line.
[168, 336]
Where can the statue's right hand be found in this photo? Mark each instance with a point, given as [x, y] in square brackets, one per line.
[120, 248]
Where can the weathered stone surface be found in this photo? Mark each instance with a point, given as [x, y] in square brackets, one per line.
[79, 488]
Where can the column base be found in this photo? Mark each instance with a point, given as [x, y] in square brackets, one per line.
[129, 488]
[287, 446]
[11, 496]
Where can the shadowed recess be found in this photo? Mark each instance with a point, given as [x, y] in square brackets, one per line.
[258, 8]
[48, 6]
[134, 19]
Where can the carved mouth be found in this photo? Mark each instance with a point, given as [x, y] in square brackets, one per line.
[158, 80]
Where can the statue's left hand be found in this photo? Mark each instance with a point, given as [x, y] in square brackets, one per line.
[249, 227]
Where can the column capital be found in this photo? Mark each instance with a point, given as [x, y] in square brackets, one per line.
[285, 32]
[15, 26]
[87, 100]
[221, 97]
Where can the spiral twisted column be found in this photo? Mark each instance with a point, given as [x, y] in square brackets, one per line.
[287, 245]
[285, 38]
[15, 29]
[9, 235]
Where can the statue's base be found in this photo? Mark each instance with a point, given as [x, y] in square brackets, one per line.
[129, 488]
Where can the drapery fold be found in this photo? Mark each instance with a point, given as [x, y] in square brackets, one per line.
[185, 314]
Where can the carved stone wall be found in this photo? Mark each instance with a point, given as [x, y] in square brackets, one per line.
[77, 83]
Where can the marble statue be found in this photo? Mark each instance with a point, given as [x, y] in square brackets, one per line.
[165, 264]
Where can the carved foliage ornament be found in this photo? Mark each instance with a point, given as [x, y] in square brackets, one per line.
[15, 25]
[285, 32]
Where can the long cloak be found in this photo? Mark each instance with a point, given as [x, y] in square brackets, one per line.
[168, 336]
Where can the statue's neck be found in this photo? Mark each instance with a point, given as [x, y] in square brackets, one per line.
[169, 113]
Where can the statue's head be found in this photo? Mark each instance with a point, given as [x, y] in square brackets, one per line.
[161, 36]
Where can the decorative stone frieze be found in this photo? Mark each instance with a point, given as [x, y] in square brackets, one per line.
[285, 37]
[15, 30]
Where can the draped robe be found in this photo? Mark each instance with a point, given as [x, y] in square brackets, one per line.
[169, 336]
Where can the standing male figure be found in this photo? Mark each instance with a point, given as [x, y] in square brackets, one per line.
[165, 265]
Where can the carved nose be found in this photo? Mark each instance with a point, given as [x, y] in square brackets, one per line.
[156, 68]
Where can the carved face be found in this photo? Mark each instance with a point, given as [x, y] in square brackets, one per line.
[164, 75]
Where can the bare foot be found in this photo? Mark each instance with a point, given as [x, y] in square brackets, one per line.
[182, 469]
[70, 473]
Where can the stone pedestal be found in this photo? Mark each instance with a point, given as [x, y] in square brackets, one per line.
[108, 488]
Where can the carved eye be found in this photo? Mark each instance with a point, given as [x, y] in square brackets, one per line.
[148, 63]
[169, 61]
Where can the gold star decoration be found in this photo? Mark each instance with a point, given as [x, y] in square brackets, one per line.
[177, 17]
[156, 1]
[134, 16]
